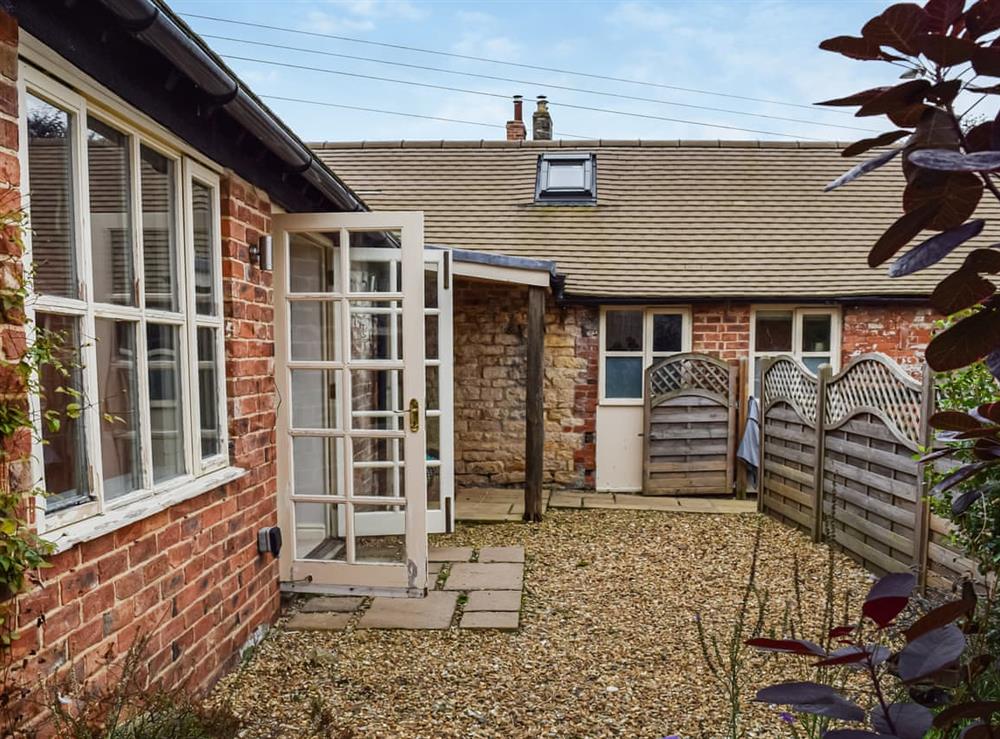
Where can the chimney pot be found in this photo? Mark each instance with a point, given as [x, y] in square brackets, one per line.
[541, 121]
[515, 127]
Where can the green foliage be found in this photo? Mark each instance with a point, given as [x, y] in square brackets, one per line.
[124, 707]
[22, 551]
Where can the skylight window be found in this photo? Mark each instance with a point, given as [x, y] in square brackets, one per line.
[566, 178]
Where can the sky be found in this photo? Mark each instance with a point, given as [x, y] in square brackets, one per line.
[762, 49]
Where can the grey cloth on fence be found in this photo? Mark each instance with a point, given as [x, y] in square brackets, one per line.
[749, 449]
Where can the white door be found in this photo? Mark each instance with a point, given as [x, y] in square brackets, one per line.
[352, 425]
[439, 408]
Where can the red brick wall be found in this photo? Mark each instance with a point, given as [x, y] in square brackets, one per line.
[12, 337]
[721, 329]
[190, 576]
[902, 332]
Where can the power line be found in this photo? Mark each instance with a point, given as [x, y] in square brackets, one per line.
[546, 85]
[401, 113]
[488, 60]
[447, 88]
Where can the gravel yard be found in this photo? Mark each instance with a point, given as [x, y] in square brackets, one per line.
[607, 644]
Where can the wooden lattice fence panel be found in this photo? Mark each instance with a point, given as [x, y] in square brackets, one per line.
[871, 485]
[872, 420]
[946, 564]
[788, 448]
[690, 426]
[870, 493]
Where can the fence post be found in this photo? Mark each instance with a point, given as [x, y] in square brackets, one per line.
[765, 365]
[732, 464]
[819, 454]
[922, 513]
[741, 424]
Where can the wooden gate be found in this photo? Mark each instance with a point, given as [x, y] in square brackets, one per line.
[689, 439]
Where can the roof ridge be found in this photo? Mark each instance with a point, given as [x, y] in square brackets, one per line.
[575, 144]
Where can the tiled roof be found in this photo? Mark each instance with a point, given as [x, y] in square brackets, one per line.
[673, 219]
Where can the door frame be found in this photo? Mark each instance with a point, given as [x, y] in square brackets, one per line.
[321, 576]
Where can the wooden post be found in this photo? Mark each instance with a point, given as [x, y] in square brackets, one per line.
[734, 425]
[819, 455]
[922, 513]
[765, 363]
[534, 412]
[742, 418]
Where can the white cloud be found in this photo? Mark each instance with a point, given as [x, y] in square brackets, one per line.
[321, 22]
[641, 15]
[482, 36]
[382, 9]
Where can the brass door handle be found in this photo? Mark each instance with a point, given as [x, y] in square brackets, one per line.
[414, 415]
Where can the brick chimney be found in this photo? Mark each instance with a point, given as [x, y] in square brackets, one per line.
[515, 128]
[541, 121]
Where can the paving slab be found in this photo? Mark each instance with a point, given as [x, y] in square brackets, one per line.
[504, 620]
[431, 612]
[318, 621]
[332, 604]
[494, 600]
[485, 576]
[449, 554]
[501, 554]
[434, 568]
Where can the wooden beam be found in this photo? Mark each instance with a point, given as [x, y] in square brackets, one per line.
[534, 412]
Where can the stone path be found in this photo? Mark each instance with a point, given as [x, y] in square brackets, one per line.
[474, 589]
[507, 504]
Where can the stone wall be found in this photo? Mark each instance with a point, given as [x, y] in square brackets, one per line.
[490, 362]
[188, 578]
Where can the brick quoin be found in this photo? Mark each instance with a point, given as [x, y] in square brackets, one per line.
[189, 577]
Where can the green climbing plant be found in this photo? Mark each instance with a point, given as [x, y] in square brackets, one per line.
[22, 551]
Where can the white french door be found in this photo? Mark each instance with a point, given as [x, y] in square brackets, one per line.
[352, 422]
[439, 392]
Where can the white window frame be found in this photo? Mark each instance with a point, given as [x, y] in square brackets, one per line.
[798, 313]
[544, 193]
[98, 514]
[647, 353]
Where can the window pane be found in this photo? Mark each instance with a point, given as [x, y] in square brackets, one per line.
[567, 176]
[314, 263]
[159, 230]
[50, 181]
[64, 452]
[315, 330]
[208, 393]
[315, 464]
[623, 377]
[314, 399]
[667, 333]
[815, 333]
[110, 213]
[202, 207]
[117, 382]
[623, 331]
[165, 410]
[773, 331]
[813, 363]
